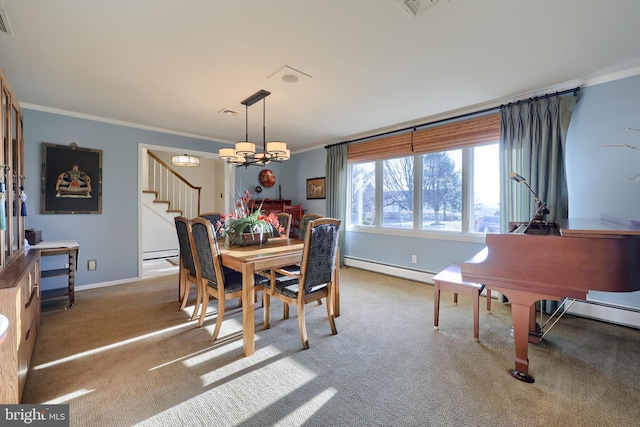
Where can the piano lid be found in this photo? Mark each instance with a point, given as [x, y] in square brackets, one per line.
[608, 226]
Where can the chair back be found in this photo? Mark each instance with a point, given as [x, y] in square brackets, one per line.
[214, 218]
[186, 252]
[304, 223]
[284, 219]
[320, 252]
[207, 260]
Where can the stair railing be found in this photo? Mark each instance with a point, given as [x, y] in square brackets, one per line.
[171, 187]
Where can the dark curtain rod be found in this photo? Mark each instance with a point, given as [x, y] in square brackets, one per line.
[575, 90]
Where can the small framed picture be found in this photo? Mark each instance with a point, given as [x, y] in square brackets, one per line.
[71, 180]
[315, 188]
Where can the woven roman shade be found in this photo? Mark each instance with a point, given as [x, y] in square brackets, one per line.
[398, 145]
[465, 133]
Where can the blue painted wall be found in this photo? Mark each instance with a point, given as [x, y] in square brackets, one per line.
[595, 176]
[111, 238]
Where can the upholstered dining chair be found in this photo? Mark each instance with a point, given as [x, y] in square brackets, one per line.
[304, 223]
[284, 219]
[316, 278]
[215, 280]
[214, 217]
[295, 268]
[187, 268]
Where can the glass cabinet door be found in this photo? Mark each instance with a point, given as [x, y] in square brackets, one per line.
[11, 175]
[3, 194]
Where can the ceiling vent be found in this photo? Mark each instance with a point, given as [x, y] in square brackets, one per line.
[5, 27]
[288, 75]
[414, 7]
[228, 112]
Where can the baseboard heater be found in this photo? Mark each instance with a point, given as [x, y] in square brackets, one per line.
[621, 315]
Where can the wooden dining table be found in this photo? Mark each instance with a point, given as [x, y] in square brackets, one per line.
[249, 260]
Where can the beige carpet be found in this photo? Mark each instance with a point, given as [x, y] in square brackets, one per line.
[126, 356]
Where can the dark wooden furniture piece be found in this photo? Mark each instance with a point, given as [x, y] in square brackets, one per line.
[269, 205]
[450, 279]
[70, 248]
[576, 256]
[296, 212]
[20, 303]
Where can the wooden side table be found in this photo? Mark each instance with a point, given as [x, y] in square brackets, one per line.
[60, 247]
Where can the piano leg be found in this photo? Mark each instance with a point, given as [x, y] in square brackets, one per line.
[521, 316]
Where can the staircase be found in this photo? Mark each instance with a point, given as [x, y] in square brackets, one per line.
[171, 188]
[166, 204]
[159, 239]
[167, 195]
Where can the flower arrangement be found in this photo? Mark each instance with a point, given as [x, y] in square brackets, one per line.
[242, 220]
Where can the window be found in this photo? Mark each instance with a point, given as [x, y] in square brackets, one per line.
[486, 189]
[443, 182]
[442, 191]
[363, 194]
[440, 179]
[397, 193]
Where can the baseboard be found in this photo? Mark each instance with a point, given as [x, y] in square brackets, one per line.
[390, 270]
[163, 253]
[589, 309]
[104, 284]
[606, 312]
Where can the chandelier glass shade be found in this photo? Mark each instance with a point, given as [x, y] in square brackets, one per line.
[185, 160]
[244, 153]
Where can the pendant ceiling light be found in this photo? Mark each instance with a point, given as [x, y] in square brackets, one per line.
[244, 153]
[185, 160]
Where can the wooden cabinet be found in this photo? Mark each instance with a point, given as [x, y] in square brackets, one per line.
[11, 174]
[19, 271]
[20, 303]
[268, 205]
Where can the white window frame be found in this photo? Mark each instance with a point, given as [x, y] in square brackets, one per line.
[465, 234]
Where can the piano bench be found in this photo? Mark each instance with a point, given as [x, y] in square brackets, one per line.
[450, 279]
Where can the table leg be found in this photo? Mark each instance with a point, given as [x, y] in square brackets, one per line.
[248, 315]
[336, 292]
[72, 277]
[436, 304]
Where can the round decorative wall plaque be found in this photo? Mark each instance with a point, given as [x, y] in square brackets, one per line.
[267, 178]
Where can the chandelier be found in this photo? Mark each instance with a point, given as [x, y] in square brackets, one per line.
[244, 153]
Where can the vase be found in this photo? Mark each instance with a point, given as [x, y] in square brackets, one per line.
[247, 239]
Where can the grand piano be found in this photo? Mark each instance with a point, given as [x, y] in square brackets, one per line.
[553, 261]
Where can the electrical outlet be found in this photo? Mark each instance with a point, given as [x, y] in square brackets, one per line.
[414, 259]
[92, 264]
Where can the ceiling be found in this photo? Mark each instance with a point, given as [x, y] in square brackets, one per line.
[365, 66]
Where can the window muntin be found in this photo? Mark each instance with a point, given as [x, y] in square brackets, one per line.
[443, 188]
